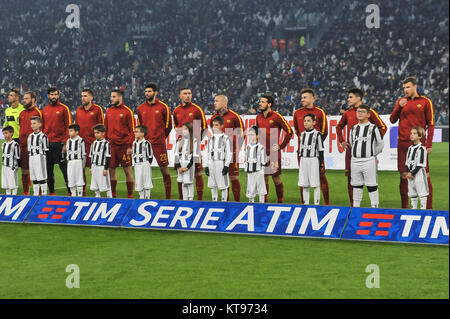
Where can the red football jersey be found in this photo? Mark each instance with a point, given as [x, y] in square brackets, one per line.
[120, 125]
[87, 119]
[273, 120]
[416, 112]
[158, 120]
[321, 120]
[56, 121]
[25, 125]
[189, 113]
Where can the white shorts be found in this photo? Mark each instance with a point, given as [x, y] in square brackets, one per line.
[364, 171]
[142, 176]
[308, 172]
[418, 187]
[216, 178]
[188, 176]
[75, 176]
[256, 184]
[9, 178]
[38, 167]
[98, 181]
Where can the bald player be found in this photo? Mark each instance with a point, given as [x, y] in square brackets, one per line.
[233, 127]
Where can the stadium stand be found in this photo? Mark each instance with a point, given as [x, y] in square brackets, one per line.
[226, 46]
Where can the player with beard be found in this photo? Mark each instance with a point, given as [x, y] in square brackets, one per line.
[307, 99]
[156, 116]
[271, 124]
[30, 110]
[188, 112]
[233, 127]
[87, 116]
[120, 125]
[413, 109]
[349, 119]
[56, 121]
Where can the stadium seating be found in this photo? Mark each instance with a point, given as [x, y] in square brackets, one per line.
[224, 46]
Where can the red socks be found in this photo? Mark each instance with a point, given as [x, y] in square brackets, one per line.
[199, 186]
[26, 183]
[114, 188]
[350, 190]
[180, 190]
[130, 188]
[168, 186]
[325, 189]
[430, 196]
[404, 192]
[280, 190]
[236, 189]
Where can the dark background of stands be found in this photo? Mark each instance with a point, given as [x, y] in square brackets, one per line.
[238, 48]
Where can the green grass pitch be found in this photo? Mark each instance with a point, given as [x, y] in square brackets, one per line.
[126, 263]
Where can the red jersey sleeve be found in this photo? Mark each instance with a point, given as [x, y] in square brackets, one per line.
[340, 127]
[395, 115]
[376, 119]
[429, 117]
[67, 120]
[131, 127]
[100, 115]
[285, 126]
[168, 118]
[323, 124]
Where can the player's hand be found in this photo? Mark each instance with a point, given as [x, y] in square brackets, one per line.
[429, 151]
[105, 172]
[402, 102]
[345, 145]
[207, 171]
[64, 149]
[90, 171]
[275, 147]
[225, 170]
[409, 176]
[129, 151]
[322, 168]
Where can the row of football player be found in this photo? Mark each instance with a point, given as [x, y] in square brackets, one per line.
[365, 140]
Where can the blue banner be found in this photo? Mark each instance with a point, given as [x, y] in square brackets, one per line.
[246, 218]
[399, 225]
[80, 211]
[15, 208]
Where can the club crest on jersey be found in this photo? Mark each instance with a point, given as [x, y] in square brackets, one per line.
[228, 121]
[190, 114]
[57, 112]
[270, 121]
[92, 113]
[419, 105]
[121, 115]
[157, 111]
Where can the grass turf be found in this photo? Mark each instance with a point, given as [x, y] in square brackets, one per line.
[125, 263]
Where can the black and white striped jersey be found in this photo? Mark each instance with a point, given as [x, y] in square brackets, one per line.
[365, 140]
[37, 144]
[255, 157]
[100, 153]
[10, 154]
[219, 148]
[416, 158]
[311, 143]
[76, 149]
[142, 152]
[183, 155]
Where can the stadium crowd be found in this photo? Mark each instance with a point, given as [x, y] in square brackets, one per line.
[224, 47]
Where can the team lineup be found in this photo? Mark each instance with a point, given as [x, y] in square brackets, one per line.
[36, 140]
